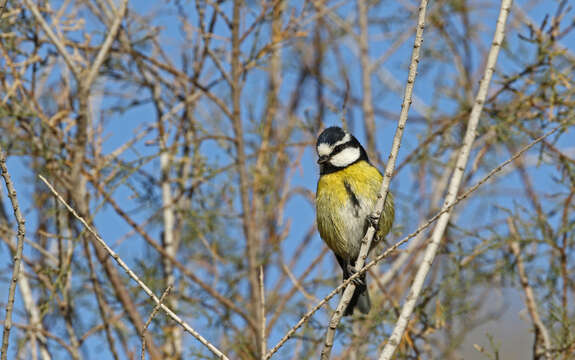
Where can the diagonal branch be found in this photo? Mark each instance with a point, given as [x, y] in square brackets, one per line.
[135, 277]
[368, 237]
[453, 188]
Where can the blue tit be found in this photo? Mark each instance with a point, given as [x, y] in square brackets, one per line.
[347, 191]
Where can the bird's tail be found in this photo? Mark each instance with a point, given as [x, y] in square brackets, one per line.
[359, 300]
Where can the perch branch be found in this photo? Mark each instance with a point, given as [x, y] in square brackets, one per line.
[453, 189]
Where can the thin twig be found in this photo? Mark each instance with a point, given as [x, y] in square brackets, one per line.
[21, 223]
[27, 299]
[453, 189]
[133, 275]
[391, 249]
[100, 299]
[368, 237]
[149, 321]
[529, 296]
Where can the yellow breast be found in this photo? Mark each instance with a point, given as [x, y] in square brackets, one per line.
[340, 217]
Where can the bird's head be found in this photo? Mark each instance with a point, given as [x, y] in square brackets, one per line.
[337, 149]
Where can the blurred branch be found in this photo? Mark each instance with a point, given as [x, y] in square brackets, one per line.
[3, 8]
[568, 52]
[103, 307]
[365, 62]
[27, 296]
[248, 212]
[112, 33]
[529, 295]
[54, 38]
[149, 321]
[262, 310]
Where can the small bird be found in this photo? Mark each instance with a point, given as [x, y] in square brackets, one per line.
[347, 191]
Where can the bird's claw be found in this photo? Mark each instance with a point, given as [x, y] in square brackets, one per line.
[358, 281]
[373, 220]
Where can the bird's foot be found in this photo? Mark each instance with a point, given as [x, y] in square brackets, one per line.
[373, 220]
[358, 281]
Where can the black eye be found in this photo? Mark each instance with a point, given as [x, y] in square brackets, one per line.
[339, 148]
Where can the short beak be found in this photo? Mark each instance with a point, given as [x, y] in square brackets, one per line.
[322, 159]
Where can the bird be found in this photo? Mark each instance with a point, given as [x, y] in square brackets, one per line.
[347, 191]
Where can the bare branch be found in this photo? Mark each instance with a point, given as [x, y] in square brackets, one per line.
[453, 188]
[112, 33]
[21, 223]
[54, 38]
[383, 193]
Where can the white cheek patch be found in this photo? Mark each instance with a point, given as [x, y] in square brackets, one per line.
[345, 157]
[324, 149]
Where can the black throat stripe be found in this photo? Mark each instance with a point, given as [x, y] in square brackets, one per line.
[352, 198]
